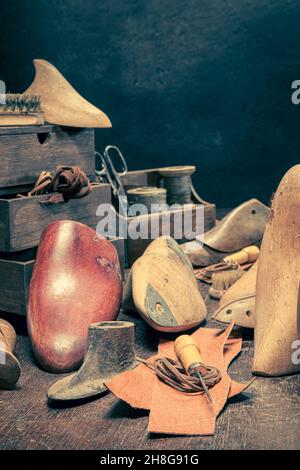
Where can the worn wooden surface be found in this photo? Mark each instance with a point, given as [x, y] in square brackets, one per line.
[266, 417]
[25, 151]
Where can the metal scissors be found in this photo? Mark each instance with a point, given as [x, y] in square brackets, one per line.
[108, 173]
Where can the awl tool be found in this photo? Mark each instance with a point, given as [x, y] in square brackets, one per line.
[188, 352]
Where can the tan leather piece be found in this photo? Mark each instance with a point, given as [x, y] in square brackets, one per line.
[277, 310]
[136, 386]
[238, 303]
[243, 226]
[60, 102]
[162, 287]
[172, 412]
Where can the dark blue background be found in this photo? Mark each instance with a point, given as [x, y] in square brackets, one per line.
[183, 81]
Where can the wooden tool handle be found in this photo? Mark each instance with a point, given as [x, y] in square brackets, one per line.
[7, 336]
[187, 352]
[246, 255]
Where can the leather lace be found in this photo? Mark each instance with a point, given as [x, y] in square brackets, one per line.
[172, 373]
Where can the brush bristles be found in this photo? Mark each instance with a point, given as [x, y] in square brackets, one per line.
[222, 280]
[18, 103]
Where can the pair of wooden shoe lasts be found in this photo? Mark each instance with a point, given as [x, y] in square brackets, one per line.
[266, 298]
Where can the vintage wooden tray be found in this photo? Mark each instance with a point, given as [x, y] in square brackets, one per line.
[22, 220]
[151, 177]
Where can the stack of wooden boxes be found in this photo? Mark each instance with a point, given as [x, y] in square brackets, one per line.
[25, 151]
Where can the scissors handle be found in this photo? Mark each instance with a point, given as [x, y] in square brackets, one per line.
[109, 173]
[107, 152]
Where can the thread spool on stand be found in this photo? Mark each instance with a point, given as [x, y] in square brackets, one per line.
[177, 182]
[148, 196]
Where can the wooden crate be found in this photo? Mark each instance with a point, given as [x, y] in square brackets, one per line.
[22, 220]
[15, 274]
[151, 177]
[25, 151]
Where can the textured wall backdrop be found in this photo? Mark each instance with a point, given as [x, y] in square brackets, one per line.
[183, 81]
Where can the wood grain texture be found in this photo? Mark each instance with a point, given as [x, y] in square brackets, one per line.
[267, 416]
[22, 220]
[15, 274]
[76, 281]
[25, 154]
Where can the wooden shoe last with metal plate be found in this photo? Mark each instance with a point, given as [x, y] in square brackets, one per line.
[163, 289]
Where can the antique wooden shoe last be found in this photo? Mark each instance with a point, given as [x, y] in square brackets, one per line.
[110, 351]
[76, 281]
[238, 303]
[243, 226]
[277, 310]
[162, 287]
[60, 102]
[9, 365]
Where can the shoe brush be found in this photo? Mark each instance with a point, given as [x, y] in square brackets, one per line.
[21, 110]
[222, 280]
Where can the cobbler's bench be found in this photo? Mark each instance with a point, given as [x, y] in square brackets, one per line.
[266, 417]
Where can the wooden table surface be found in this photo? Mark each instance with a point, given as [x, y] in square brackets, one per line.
[267, 416]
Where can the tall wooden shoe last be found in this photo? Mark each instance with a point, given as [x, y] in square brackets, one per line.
[277, 310]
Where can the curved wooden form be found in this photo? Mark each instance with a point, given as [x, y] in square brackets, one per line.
[76, 281]
[238, 303]
[60, 102]
[243, 226]
[162, 287]
[277, 309]
[9, 365]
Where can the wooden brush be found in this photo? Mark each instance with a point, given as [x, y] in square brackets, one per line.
[21, 110]
[222, 280]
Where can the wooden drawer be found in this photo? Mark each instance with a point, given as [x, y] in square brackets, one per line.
[22, 220]
[25, 151]
[15, 274]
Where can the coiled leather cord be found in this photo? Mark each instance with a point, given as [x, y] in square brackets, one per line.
[70, 181]
[173, 374]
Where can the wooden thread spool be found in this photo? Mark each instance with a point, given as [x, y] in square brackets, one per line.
[177, 181]
[148, 196]
[249, 254]
[9, 365]
[188, 353]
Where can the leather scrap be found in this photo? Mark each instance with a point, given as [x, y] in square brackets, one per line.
[172, 412]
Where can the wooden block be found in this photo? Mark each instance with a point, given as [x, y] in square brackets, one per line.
[22, 220]
[15, 274]
[25, 151]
